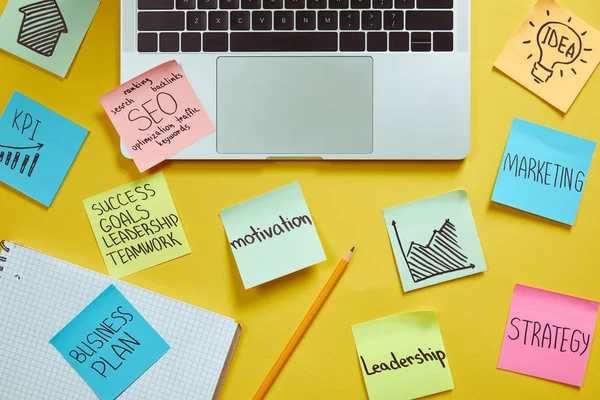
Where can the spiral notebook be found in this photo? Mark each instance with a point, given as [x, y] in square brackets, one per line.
[40, 294]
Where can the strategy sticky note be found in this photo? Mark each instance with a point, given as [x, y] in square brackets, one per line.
[37, 148]
[137, 226]
[272, 235]
[434, 240]
[543, 171]
[553, 54]
[110, 344]
[403, 356]
[548, 335]
[157, 114]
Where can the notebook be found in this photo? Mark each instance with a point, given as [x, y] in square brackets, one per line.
[40, 294]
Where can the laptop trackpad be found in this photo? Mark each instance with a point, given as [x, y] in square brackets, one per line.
[295, 105]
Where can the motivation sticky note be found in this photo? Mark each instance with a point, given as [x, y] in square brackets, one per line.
[137, 226]
[46, 33]
[157, 114]
[543, 171]
[37, 148]
[548, 335]
[434, 240]
[403, 356]
[109, 344]
[553, 54]
[272, 235]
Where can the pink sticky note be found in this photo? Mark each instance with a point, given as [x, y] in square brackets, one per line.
[548, 335]
[157, 114]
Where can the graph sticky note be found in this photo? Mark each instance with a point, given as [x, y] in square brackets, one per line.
[37, 148]
[548, 335]
[109, 344]
[137, 226]
[553, 54]
[272, 235]
[543, 171]
[434, 240]
[403, 356]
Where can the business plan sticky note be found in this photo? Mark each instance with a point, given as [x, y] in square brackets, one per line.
[548, 335]
[137, 226]
[272, 235]
[403, 356]
[110, 344]
[553, 54]
[157, 114]
[37, 148]
[543, 171]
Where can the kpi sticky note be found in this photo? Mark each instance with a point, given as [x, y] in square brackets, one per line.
[548, 335]
[137, 226]
[109, 344]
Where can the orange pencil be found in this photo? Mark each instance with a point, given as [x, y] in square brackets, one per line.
[301, 330]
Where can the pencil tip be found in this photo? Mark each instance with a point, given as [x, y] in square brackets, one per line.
[352, 250]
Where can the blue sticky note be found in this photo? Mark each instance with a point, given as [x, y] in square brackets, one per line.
[543, 171]
[109, 344]
[37, 148]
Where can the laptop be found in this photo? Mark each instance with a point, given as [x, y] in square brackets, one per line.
[314, 79]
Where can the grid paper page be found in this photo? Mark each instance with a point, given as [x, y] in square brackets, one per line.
[40, 294]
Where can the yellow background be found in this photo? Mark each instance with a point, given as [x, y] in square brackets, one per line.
[346, 200]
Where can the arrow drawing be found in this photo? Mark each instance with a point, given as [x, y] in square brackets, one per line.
[39, 146]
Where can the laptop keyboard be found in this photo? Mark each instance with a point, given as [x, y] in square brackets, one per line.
[295, 25]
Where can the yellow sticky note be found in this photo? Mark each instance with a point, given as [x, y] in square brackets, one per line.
[403, 356]
[553, 54]
[137, 226]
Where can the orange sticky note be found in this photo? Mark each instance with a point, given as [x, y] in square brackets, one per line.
[553, 54]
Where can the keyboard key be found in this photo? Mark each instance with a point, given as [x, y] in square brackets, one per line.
[328, 20]
[352, 41]
[349, 20]
[306, 20]
[215, 41]
[147, 42]
[169, 42]
[161, 21]
[284, 41]
[207, 4]
[196, 20]
[420, 41]
[371, 20]
[338, 4]
[399, 41]
[191, 42]
[251, 4]
[261, 20]
[294, 4]
[429, 20]
[229, 4]
[185, 4]
[376, 41]
[435, 3]
[155, 4]
[383, 4]
[320, 4]
[393, 20]
[360, 4]
[284, 20]
[443, 41]
[217, 21]
[239, 20]
[272, 4]
[402, 4]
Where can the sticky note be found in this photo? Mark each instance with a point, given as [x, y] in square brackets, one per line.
[403, 356]
[137, 226]
[548, 335]
[553, 54]
[157, 114]
[37, 148]
[46, 33]
[109, 344]
[543, 171]
[434, 240]
[272, 235]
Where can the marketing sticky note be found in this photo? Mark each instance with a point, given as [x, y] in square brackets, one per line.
[543, 171]
[553, 54]
[137, 226]
[157, 114]
[46, 33]
[37, 148]
[272, 235]
[434, 240]
[548, 335]
[403, 356]
[109, 344]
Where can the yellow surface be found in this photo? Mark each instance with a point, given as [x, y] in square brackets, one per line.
[346, 199]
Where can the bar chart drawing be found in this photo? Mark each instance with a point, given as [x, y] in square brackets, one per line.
[24, 159]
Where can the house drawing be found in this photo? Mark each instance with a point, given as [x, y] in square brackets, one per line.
[42, 25]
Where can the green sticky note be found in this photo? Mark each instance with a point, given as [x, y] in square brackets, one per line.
[137, 226]
[272, 235]
[403, 356]
[46, 33]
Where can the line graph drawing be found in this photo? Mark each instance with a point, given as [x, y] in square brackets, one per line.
[42, 26]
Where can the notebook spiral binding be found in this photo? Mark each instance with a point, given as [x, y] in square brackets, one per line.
[3, 258]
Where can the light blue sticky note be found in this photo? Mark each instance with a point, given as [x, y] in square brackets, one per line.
[543, 171]
[109, 344]
[37, 148]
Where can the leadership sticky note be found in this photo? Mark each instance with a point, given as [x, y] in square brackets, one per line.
[109, 344]
[157, 114]
[434, 240]
[137, 226]
[403, 356]
[543, 171]
[553, 54]
[272, 235]
[548, 335]
[37, 148]
[47, 33]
